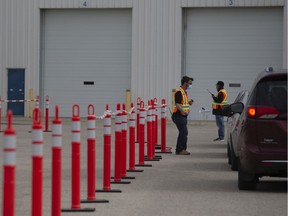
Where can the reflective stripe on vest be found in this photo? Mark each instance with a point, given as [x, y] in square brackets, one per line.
[184, 101]
[224, 102]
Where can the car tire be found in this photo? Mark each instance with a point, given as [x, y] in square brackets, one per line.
[246, 181]
[234, 160]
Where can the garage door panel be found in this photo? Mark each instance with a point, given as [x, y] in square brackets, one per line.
[87, 45]
[230, 44]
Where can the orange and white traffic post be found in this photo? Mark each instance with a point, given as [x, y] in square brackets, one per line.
[142, 137]
[47, 114]
[75, 161]
[9, 167]
[132, 125]
[56, 164]
[91, 157]
[124, 144]
[164, 149]
[37, 163]
[118, 145]
[107, 155]
[150, 133]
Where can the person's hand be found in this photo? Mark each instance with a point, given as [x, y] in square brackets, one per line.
[184, 113]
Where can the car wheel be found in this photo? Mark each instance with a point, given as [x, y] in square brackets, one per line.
[246, 181]
[229, 153]
[234, 160]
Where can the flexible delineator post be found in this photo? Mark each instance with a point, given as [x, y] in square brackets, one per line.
[75, 159]
[118, 163]
[155, 120]
[154, 127]
[142, 137]
[91, 153]
[132, 139]
[132, 125]
[91, 157]
[9, 166]
[138, 119]
[141, 133]
[149, 132]
[118, 133]
[56, 164]
[37, 163]
[164, 149]
[107, 155]
[47, 114]
[124, 142]
[107, 151]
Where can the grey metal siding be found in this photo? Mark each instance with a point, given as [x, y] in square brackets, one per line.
[156, 39]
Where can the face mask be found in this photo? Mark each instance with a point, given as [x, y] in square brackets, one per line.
[189, 86]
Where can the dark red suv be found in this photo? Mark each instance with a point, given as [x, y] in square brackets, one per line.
[262, 142]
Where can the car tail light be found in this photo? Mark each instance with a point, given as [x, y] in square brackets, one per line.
[263, 112]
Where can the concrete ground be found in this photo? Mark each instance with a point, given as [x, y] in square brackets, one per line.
[201, 184]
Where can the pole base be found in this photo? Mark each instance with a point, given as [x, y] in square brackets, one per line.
[165, 152]
[95, 201]
[128, 177]
[143, 165]
[121, 182]
[79, 210]
[109, 191]
[153, 159]
[134, 170]
[125, 177]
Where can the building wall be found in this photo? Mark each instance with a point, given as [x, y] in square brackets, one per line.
[156, 39]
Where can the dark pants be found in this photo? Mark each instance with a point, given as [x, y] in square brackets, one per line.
[181, 123]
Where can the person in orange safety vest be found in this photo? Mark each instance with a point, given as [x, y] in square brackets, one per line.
[219, 101]
[180, 113]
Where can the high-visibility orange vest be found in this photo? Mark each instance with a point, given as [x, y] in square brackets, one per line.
[224, 102]
[184, 101]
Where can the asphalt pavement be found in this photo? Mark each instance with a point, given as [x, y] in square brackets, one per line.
[201, 184]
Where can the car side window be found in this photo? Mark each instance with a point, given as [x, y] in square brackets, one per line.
[272, 93]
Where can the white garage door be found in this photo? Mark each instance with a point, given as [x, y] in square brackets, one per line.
[86, 58]
[232, 45]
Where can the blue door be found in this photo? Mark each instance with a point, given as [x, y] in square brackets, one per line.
[16, 87]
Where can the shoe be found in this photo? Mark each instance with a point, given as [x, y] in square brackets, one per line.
[219, 139]
[184, 152]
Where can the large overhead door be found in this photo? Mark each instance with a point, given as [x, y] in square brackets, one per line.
[232, 45]
[86, 58]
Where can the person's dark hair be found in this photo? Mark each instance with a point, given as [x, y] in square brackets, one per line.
[220, 84]
[186, 79]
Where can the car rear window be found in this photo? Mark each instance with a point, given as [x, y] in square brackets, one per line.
[272, 93]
